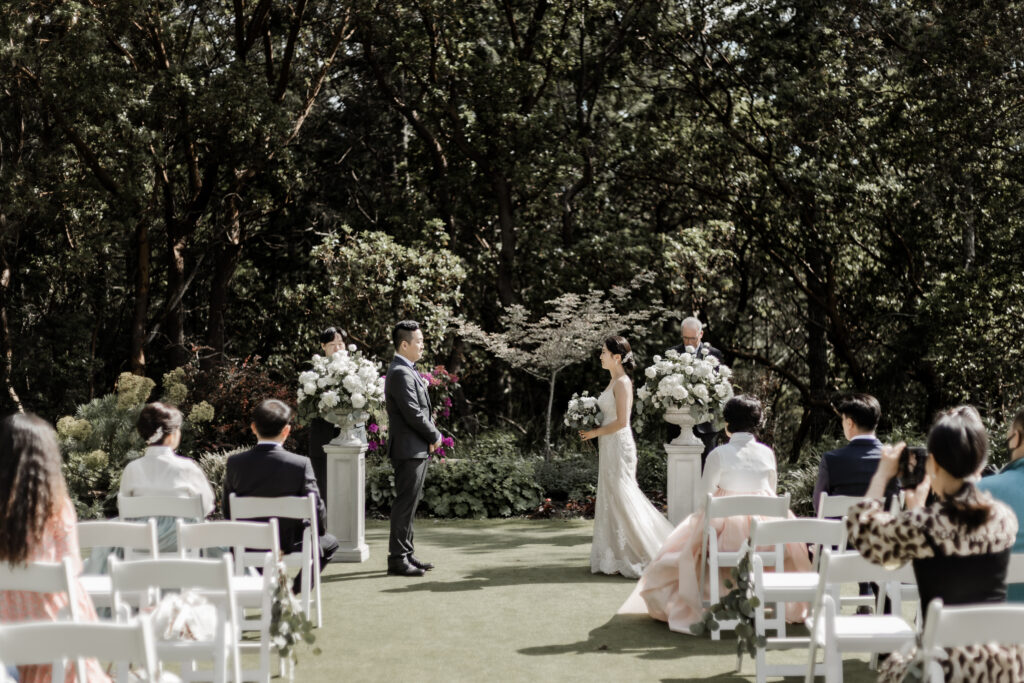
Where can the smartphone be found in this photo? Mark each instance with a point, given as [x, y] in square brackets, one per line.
[911, 470]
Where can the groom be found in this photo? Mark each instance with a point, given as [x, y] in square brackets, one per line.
[412, 437]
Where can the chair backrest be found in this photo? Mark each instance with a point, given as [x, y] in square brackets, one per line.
[243, 537]
[837, 568]
[729, 506]
[144, 507]
[1015, 571]
[46, 642]
[287, 507]
[139, 537]
[819, 533]
[981, 624]
[43, 577]
[836, 506]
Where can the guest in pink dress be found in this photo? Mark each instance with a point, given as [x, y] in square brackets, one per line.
[742, 466]
[37, 524]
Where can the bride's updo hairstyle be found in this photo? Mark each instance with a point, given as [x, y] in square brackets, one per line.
[619, 345]
[156, 421]
[742, 414]
[959, 444]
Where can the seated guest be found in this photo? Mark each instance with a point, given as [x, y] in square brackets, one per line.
[742, 466]
[1008, 487]
[160, 472]
[959, 545]
[37, 524]
[847, 471]
[269, 471]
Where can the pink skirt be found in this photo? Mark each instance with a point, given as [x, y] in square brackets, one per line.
[669, 585]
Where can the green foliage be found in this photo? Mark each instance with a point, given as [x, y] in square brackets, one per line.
[214, 465]
[569, 476]
[289, 625]
[738, 604]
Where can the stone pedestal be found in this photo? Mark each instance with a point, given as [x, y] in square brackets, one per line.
[683, 480]
[346, 480]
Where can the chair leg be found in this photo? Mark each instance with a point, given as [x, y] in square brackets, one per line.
[833, 664]
[760, 660]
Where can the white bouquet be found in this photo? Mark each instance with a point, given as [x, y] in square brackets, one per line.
[697, 381]
[345, 382]
[583, 412]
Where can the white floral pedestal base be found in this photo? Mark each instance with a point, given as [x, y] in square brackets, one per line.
[346, 480]
[683, 478]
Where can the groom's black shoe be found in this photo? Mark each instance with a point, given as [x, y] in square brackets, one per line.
[425, 566]
[399, 566]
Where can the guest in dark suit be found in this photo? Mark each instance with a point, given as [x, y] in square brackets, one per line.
[269, 471]
[320, 430]
[412, 437]
[847, 471]
[692, 331]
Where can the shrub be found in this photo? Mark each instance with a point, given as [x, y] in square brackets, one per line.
[569, 477]
[213, 464]
[651, 468]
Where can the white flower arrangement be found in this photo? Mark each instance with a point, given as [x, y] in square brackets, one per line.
[344, 382]
[583, 412]
[694, 380]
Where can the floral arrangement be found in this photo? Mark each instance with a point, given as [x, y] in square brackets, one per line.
[695, 380]
[376, 436]
[441, 384]
[583, 412]
[289, 625]
[345, 382]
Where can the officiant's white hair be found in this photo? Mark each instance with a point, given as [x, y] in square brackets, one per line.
[692, 323]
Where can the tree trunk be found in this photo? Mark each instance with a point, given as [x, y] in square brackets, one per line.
[816, 413]
[547, 423]
[229, 251]
[143, 254]
[178, 355]
[6, 349]
[507, 256]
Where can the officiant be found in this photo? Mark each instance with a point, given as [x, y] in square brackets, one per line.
[320, 430]
[692, 331]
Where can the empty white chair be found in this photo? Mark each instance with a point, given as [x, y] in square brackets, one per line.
[781, 587]
[43, 577]
[145, 507]
[713, 559]
[837, 633]
[136, 539]
[982, 624]
[836, 506]
[307, 559]
[254, 545]
[211, 579]
[55, 642]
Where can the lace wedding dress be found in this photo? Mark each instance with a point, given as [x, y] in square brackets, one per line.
[628, 529]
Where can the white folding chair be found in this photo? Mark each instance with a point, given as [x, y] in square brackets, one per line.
[210, 578]
[54, 642]
[836, 506]
[145, 507]
[981, 624]
[308, 558]
[254, 545]
[837, 633]
[780, 587]
[43, 577]
[713, 559]
[136, 539]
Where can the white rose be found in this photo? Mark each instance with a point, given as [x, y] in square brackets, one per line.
[329, 399]
[352, 384]
[307, 377]
[722, 390]
[701, 392]
[713, 361]
[671, 353]
[651, 372]
[352, 348]
[309, 388]
[657, 358]
[358, 401]
[688, 370]
[643, 393]
[725, 371]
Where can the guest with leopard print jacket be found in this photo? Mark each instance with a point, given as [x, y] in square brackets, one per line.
[959, 544]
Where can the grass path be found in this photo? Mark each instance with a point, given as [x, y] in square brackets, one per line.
[510, 600]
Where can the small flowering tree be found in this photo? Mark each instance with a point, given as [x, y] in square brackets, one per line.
[568, 333]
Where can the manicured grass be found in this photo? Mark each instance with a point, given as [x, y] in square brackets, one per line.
[510, 600]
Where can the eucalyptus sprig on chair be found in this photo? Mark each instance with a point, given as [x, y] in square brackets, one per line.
[738, 605]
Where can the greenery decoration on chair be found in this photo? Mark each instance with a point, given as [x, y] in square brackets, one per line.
[738, 604]
[288, 623]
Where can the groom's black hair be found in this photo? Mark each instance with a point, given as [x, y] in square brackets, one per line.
[403, 332]
[271, 417]
[742, 414]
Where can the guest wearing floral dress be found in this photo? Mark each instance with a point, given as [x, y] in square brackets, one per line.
[959, 544]
[38, 524]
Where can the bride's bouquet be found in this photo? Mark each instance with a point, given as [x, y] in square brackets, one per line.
[343, 383]
[685, 380]
[583, 412]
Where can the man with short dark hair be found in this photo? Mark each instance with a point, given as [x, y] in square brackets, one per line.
[847, 471]
[269, 471]
[412, 437]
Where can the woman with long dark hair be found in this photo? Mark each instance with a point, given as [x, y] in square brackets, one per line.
[37, 524]
[959, 543]
[628, 529]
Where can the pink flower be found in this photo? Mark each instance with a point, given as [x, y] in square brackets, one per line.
[448, 441]
[373, 428]
[372, 446]
[448, 403]
[446, 412]
[439, 451]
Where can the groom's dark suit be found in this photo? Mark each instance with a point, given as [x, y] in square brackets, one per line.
[410, 434]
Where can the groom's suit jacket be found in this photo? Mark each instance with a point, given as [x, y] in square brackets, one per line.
[410, 430]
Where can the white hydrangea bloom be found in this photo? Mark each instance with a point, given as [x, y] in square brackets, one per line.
[358, 401]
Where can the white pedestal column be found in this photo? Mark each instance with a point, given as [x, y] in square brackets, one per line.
[683, 480]
[346, 481]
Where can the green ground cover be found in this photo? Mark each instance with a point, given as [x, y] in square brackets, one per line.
[510, 600]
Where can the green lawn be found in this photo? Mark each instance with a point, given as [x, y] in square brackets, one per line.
[510, 600]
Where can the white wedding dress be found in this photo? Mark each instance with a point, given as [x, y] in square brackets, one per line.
[628, 529]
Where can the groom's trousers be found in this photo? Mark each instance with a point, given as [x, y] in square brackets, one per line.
[409, 478]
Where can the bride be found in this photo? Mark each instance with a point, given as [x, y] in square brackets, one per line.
[628, 529]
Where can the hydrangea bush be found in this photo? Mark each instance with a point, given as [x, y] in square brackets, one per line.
[685, 380]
